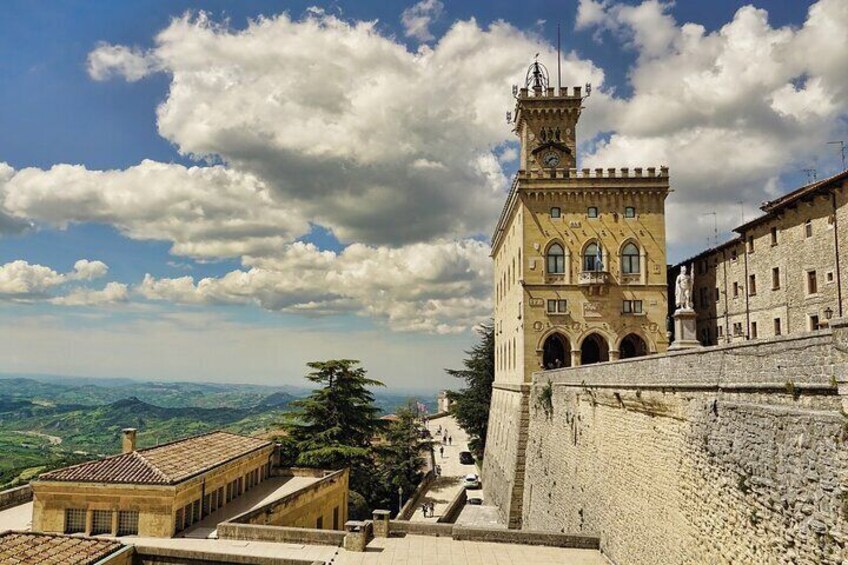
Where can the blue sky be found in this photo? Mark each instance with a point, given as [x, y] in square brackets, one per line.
[57, 106]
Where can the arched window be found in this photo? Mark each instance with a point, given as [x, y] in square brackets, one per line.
[556, 259]
[592, 258]
[630, 260]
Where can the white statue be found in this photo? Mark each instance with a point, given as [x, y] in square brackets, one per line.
[683, 289]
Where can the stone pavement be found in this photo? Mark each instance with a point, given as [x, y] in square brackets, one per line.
[443, 489]
[16, 518]
[426, 550]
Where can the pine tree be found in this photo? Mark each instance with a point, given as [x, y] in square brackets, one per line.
[400, 461]
[333, 427]
[471, 404]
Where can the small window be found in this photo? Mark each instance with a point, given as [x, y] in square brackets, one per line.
[719, 331]
[737, 328]
[752, 285]
[733, 254]
[774, 236]
[829, 276]
[101, 522]
[808, 228]
[812, 283]
[777, 326]
[592, 212]
[562, 306]
[717, 294]
[74, 520]
[750, 244]
[552, 304]
[629, 212]
[775, 278]
[735, 290]
[592, 260]
[814, 323]
[631, 307]
[127, 523]
[753, 330]
[556, 212]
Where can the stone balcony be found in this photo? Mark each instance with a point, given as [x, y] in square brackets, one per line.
[593, 278]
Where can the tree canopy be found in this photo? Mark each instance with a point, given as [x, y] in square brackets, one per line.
[471, 404]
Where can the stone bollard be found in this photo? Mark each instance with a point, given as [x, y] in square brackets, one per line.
[357, 535]
[381, 523]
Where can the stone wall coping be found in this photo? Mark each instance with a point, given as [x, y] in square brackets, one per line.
[454, 508]
[777, 365]
[15, 496]
[279, 534]
[211, 557]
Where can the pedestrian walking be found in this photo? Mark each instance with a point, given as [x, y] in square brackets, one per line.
[424, 509]
[442, 451]
[450, 440]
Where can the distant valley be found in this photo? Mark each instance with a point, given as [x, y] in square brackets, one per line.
[48, 422]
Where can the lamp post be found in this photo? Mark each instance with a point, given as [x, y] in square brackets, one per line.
[828, 313]
[400, 498]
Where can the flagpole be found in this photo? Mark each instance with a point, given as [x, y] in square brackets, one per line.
[559, 72]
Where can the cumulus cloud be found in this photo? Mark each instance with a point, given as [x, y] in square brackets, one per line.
[441, 287]
[730, 110]
[20, 280]
[417, 19]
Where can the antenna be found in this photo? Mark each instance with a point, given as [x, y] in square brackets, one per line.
[715, 228]
[812, 175]
[559, 80]
[841, 150]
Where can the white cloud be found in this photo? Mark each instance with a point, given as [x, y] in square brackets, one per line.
[112, 293]
[417, 19]
[20, 280]
[729, 110]
[108, 60]
[441, 287]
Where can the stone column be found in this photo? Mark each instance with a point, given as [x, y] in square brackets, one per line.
[613, 355]
[381, 523]
[575, 357]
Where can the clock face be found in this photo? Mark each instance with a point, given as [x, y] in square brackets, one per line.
[550, 159]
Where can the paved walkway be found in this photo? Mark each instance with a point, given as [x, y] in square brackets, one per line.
[446, 487]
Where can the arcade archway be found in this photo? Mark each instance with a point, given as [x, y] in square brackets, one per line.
[632, 345]
[594, 349]
[556, 352]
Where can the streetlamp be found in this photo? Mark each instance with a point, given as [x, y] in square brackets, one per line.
[828, 313]
[400, 499]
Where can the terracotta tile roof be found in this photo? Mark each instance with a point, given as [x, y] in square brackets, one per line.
[166, 464]
[26, 548]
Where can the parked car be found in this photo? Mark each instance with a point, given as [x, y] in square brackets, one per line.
[474, 501]
[466, 458]
[471, 480]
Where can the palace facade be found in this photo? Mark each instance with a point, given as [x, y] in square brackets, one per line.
[580, 270]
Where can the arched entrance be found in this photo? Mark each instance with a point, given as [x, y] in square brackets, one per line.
[556, 352]
[594, 349]
[632, 346]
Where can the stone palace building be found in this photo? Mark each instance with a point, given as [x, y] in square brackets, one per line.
[580, 269]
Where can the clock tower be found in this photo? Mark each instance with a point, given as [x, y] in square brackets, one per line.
[580, 272]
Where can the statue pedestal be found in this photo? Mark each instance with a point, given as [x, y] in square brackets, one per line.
[685, 330]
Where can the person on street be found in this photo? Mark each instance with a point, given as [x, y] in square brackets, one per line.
[442, 451]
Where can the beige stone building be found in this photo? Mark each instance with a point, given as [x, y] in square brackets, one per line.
[580, 270]
[154, 492]
[783, 274]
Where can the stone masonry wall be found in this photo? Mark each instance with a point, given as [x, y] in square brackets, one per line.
[731, 454]
[503, 447]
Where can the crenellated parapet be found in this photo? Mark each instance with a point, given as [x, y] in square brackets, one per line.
[598, 173]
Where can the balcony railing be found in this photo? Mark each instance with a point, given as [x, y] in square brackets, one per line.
[593, 278]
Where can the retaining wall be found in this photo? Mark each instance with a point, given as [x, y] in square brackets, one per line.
[730, 454]
[15, 496]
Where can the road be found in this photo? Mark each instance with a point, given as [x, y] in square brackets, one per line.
[443, 489]
[54, 440]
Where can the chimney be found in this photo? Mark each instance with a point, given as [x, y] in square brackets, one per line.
[128, 440]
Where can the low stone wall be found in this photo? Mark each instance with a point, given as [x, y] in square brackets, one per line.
[409, 508]
[420, 528]
[145, 555]
[15, 496]
[454, 508]
[524, 537]
[251, 532]
[728, 454]
[304, 507]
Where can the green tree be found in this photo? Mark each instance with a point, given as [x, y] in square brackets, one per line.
[400, 461]
[333, 427]
[471, 404]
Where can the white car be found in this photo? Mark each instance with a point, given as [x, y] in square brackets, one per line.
[471, 480]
